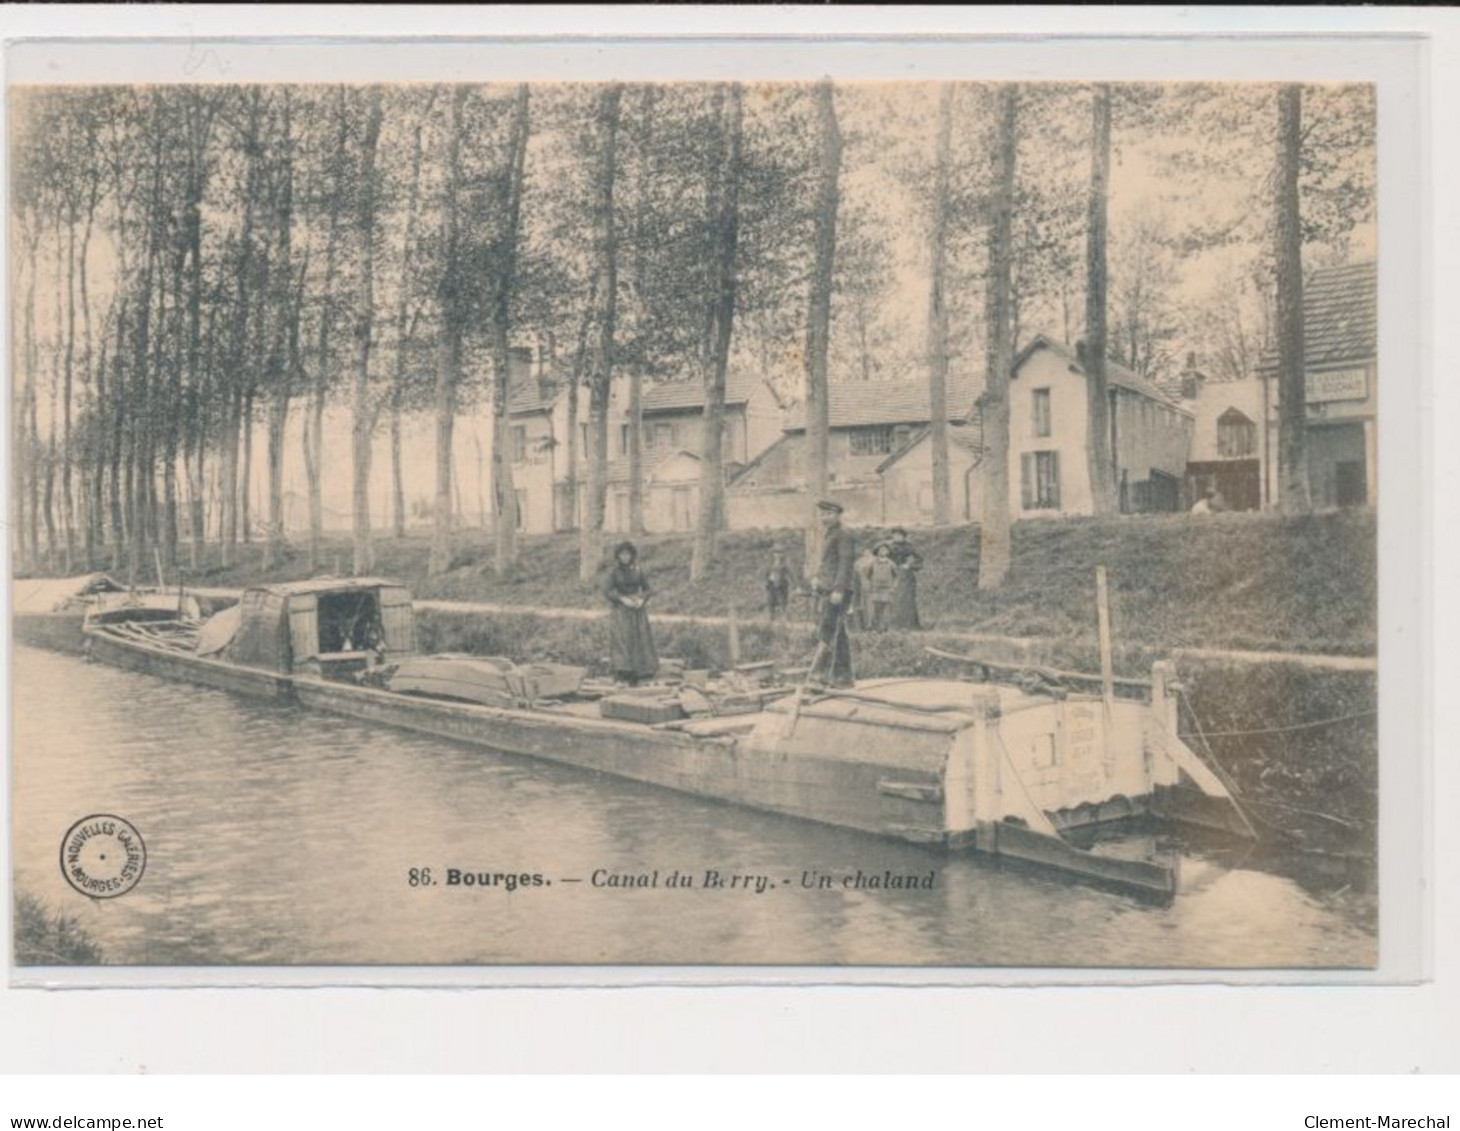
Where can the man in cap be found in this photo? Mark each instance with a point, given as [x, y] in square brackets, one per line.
[832, 664]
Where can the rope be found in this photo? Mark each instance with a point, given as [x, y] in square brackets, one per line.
[1204, 735]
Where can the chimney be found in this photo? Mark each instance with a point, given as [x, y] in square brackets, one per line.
[1191, 379]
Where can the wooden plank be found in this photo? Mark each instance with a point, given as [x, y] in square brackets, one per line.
[912, 791]
[1052, 673]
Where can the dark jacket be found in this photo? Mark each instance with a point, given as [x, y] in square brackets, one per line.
[838, 552]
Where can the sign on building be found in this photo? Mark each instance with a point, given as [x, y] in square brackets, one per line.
[1338, 385]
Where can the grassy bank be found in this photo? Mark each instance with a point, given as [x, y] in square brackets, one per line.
[44, 938]
[1237, 581]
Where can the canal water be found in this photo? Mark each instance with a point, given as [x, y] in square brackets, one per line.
[280, 836]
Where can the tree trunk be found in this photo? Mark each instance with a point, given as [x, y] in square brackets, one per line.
[364, 410]
[1293, 487]
[27, 456]
[403, 326]
[68, 516]
[606, 287]
[448, 356]
[818, 317]
[1102, 459]
[476, 440]
[314, 422]
[285, 350]
[641, 314]
[994, 542]
[118, 416]
[397, 481]
[505, 284]
[238, 353]
[938, 313]
[245, 477]
[575, 384]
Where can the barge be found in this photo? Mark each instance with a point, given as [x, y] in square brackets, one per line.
[951, 764]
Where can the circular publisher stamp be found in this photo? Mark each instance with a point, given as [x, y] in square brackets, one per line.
[103, 856]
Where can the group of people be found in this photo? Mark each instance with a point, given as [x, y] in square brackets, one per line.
[884, 584]
[876, 591]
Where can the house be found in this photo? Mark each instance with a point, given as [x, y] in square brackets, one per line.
[536, 437]
[1229, 435]
[907, 477]
[867, 421]
[1049, 471]
[672, 413]
[1340, 362]
[1049, 467]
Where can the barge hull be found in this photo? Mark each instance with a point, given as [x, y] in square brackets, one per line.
[722, 768]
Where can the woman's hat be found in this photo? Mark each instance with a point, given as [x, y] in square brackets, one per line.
[626, 545]
[829, 505]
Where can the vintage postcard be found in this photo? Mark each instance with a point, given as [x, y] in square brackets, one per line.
[728, 523]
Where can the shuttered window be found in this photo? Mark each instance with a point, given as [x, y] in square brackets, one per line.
[1039, 480]
[1042, 423]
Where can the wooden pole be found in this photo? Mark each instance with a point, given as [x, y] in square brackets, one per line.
[1102, 611]
[733, 627]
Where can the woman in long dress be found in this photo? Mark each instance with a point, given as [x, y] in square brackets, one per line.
[630, 642]
[904, 612]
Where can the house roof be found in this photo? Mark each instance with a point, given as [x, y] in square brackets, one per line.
[618, 469]
[1340, 317]
[1115, 373]
[689, 392]
[968, 436]
[855, 403]
[788, 440]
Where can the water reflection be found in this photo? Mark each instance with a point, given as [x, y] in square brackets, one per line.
[281, 836]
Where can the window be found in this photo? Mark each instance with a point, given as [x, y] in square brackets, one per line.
[1041, 412]
[1040, 480]
[587, 435]
[521, 509]
[519, 443]
[1236, 435]
[873, 441]
[900, 433]
[623, 439]
[663, 435]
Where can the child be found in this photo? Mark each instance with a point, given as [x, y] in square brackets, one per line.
[882, 584]
[778, 583]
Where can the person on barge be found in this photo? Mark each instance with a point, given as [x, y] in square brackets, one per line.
[630, 640]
